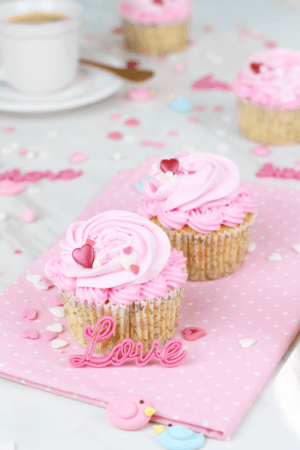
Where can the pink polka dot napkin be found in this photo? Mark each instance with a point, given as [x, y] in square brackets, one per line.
[249, 317]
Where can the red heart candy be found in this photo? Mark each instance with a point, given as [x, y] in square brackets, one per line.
[135, 269]
[159, 2]
[49, 336]
[191, 172]
[193, 333]
[127, 250]
[84, 256]
[169, 165]
[255, 67]
[29, 313]
[30, 334]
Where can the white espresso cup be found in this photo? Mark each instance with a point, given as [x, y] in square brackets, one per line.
[40, 58]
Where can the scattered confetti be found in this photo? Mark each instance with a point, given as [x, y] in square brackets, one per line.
[179, 68]
[17, 252]
[208, 83]
[48, 336]
[261, 150]
[30, 334]
[23, 151]
[57, 311]
[268, 170]
[140, 94]
[9, 129]
[58, 343]
[56, 328]
[28, 216]
[115, 135]
[57, 300]
[173, 133]
[251, 247]
[200, 108]
[159, 144]
[146, 143]
[78, 157]
[8, 187]
[246, 343]
[15, 145]
[270, 44]
[182, 104]
[275, 257]
[193, 333]
[218, 108]
[132, 122]
[115, 117]
[29, 313]
[193, 119]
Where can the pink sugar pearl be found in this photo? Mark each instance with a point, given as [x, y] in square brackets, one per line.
[28, 216]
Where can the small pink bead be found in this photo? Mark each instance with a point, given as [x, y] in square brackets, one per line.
[200, 108]
[179, 68]
[139, 94]
[261, 150]
[28, 216]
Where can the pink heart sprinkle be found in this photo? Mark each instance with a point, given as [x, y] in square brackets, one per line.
[127, 250]
[84, 256]
[159, 144]
[49, 336]
[191, 172]
[30, 334]
[8, 187]
[261, 150]
[90, 242]
[270, 44]
[29, 313]
[135, 269]
[169, 165]
[200, 108]
[8, 129]
[193, 119]
[115, 135]
[17, 252]
[48, 283]
[57, 300]
[78, 157]
[132, 122]
[218, 108]
[193, 333]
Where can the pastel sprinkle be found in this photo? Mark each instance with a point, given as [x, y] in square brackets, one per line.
[115, 135]
[132, 122]
[28, 216]
[29, 334]
[115, 116]
[78, 157]
[193, 119]
[261, 150]
[9, 129]
[146, 143]
[159, 144]
[173, 133]
[218, 108]
[200, 108]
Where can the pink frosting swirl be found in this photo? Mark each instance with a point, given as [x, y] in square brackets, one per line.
[204, 193]
[270, 78]
[156, 11]
[120, 240]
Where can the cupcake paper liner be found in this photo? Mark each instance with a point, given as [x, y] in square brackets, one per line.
[267, 125]
[215, 255]
[143, 320]
[156, 39]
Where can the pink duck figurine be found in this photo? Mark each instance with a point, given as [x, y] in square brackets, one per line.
[129, 413]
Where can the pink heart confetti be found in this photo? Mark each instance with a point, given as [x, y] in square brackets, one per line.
[179, 68]
[270, 44]
[23, 152]
[193, 333]
[29, 313]
[193, 119]
[84, 256]
[127, 250]
[48, 336]
[218, 108]
[78, 157]
[169, 165]
[208, 83]
[48, 283]
[135, 269]
[9, 129]
[29, 334]
[200, 108]
[57, 300]
[261, 150]
[17, 252]
[8, 187]
[132, 122]
[115, 135]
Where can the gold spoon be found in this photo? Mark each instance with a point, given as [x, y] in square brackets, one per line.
[129, 74]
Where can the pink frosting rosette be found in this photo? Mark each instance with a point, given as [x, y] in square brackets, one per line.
[118, 256]
[156, 11]
[270, 78]
[200, 190]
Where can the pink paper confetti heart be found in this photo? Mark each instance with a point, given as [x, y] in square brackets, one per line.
[17, 252]
[48, 336]
[169, 165]
[200, 108]
[57, 301]
[29, 313]
[115, 135]
[23, 152]
[193, 119]
[132, 122]
[78, 157]
[48, 283]
[127, 250]
[30, 334]
[135, 269]
[84, 256]
[218, 108]
[261, 150]
[208, 83]
[193, 333]
[8, 129]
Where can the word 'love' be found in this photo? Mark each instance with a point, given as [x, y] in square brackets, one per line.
[170, 355]
[37, 175]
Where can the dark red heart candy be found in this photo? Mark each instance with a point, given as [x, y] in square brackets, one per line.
[84, 256]
[169, 165]
[255, 67]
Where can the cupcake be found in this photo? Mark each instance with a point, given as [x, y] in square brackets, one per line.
[268, 96]
[156, 27]
[197, 199]
[122, 265]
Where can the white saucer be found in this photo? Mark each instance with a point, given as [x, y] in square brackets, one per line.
[90, 86]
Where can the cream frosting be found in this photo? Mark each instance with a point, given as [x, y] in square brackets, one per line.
[156, 11]
[271, 78]
[133, 260]
[204, 193]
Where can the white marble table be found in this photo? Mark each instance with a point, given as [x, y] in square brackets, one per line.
[34, 419]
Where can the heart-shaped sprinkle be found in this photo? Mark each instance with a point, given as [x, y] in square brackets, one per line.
[58, 343]
[48, 283]
[132, 122]
[48, 336]
[57, 300]
[17, 252]
[90, 242]
[135, 269]
[33, 278]
[275, 257]
[30, 334]
[246, 343]
[41, 286]
[127, 250]
[29, 313]
[57, 311]
[255, 67]
[193, 333]
[84, 256]
[191, 172]
[127, 260]
[78, 157]
[169, 165]
[158, 2]
[56, 328]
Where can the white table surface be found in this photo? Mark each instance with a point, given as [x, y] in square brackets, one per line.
[36, 420]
